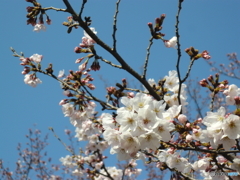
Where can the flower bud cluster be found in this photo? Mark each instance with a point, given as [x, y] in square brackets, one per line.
[34, 63]
[156, 34]
[213, 84]
[87, 46]
[33, 13]
[194, 54]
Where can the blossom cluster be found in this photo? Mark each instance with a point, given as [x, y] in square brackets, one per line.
[142, 127]
[28, 63]
[143, 123]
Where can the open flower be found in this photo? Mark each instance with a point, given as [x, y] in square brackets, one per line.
[32, 80]
[171, 43]
[39, 27]
[86, 39]
[36, 58]
[61, 74]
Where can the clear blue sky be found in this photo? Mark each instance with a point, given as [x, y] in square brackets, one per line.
[207, 25]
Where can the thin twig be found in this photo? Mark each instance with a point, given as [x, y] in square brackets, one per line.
[56, 9]
[125, 65]
[68, 86]
[124, 169]
[178, 49]
[147, 58]
[195, 101]
[80, 93]
[136, 90]
[82, 7]
[212, 101]
[68, 149]
[188, 72]
[103, 166]
[115, 25]
[109, 62]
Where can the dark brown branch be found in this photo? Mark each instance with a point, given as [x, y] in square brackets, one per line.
[70, 9]
[109, 62]
[147, 58]
[82, 7]
[178, 49]
[115, 25]
[125, 66]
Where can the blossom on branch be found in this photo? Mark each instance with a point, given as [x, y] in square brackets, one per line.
[171, 43]
[32, 80]
[39, 27]
[36, 58]
[87, 41]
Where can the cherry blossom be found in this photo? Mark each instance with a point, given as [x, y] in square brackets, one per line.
[36, 58]
[32, 80]
[39, 27]
[171, 43]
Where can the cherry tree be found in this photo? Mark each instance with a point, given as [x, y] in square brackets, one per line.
[149, 124]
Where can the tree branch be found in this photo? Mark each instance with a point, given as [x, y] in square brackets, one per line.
[147, 58]
[56, 9]
[115, 26]
[178, 49]
[109, 62]
[125, 66]
[82, 7]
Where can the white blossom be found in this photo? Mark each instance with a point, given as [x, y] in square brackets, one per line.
[39, 27]
[171, 43]
[32, 80]
[36, 58]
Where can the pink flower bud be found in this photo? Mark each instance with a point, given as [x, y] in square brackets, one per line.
[205, 55]
[111, 89]
[237, 100]
[67, 93]
[150, 24]
[64, 101]
[130, 94]
[48, 21]
[79, 60]
[188, 125]
[91, 86]
[29, 9]
[182, 118]
[83, 66]
[189, 138]
[77, 50]
[199, 120]
[203, 83]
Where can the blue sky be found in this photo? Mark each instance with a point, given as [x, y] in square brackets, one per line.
[207, 25]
